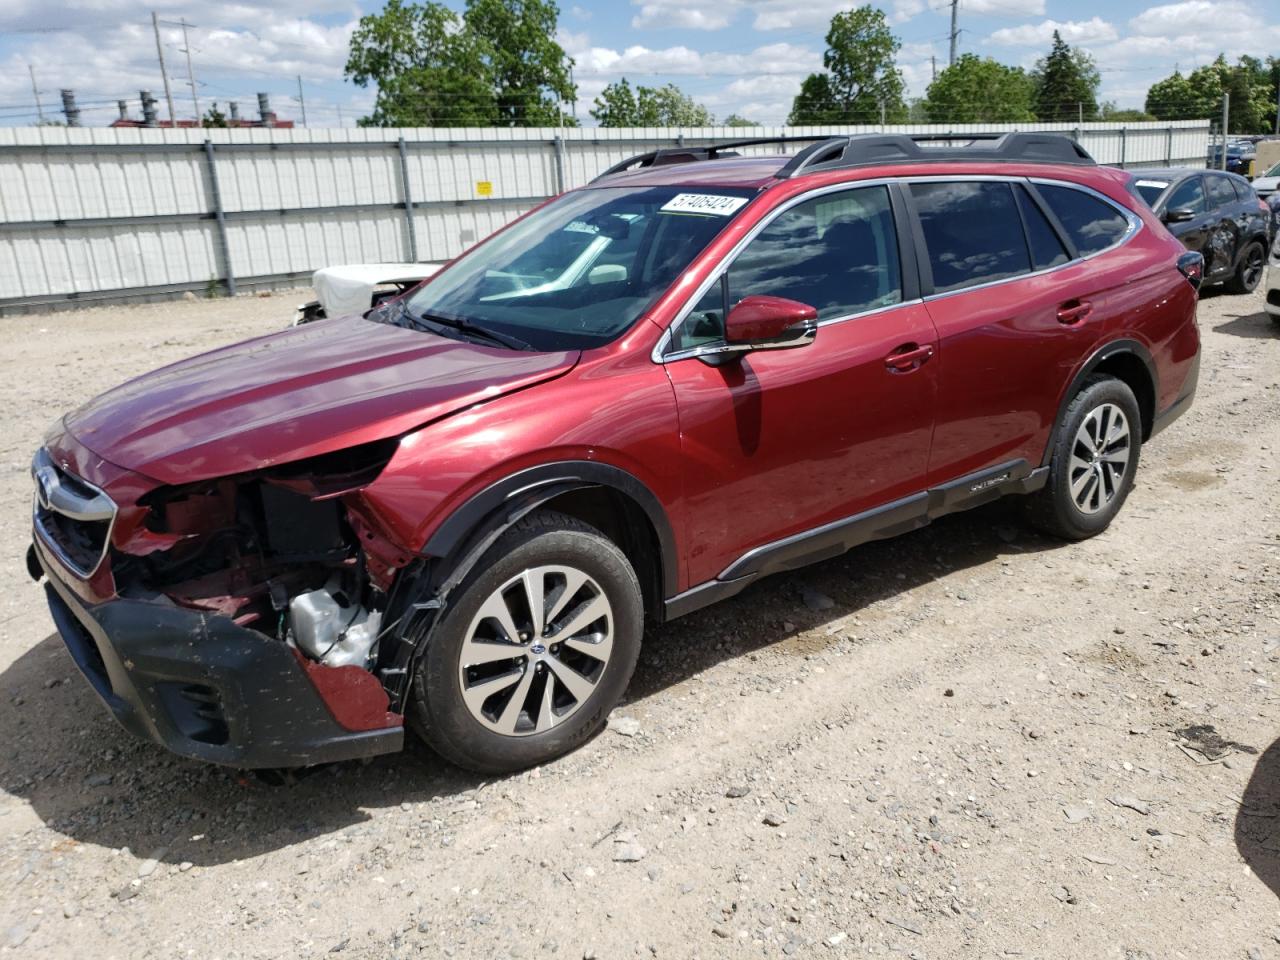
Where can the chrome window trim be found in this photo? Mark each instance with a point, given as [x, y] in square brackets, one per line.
[42, 462]
[659, 354]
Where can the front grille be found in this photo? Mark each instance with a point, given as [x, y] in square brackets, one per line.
[72, 517]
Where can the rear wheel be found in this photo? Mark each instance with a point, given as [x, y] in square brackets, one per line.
[537, 646]
[1249, 271]
[1095, 456]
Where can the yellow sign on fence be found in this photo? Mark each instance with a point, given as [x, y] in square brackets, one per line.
[484, 188]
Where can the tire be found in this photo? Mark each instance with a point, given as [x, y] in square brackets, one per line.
[1087, 508]
[460, 703]
[1249, 270]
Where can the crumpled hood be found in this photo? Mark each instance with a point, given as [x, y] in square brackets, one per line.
[305, 391]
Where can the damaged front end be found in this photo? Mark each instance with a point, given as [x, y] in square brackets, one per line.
[276, 551]
[243, 616]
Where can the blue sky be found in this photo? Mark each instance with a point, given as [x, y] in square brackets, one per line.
[736, 56]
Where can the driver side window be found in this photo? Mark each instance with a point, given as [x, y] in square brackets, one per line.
[837, 252]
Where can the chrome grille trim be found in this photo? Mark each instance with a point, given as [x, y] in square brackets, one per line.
[61, 492]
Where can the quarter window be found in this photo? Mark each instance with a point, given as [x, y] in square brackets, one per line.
[1221, 193]
[1189, 195]
[972, 231]
[837, 252]
[1092, 224]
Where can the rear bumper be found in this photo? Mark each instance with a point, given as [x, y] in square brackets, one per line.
[202, 686]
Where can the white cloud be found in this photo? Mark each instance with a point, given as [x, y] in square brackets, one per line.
[1004, 8]
[1192, 16]
[685, 15]
[816, 14]
[1092, 31]
[641, 61]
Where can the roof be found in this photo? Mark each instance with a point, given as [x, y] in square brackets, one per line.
[727, 172]
[1176, 173]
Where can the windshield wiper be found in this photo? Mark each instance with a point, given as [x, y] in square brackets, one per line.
[427, 321]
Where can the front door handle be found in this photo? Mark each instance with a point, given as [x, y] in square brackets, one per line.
[1074, 311]
[908, 357]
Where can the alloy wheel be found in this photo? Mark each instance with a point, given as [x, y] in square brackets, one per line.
[1099, 458]
[1253, 267]
[535, 650]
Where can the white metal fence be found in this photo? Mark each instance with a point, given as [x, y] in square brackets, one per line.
[91, 215]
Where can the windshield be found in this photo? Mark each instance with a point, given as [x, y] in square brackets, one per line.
[581, 270]
[1150, 190]
[1273, 172]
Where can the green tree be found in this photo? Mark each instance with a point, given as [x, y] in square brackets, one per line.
[1250, 83]
[980, 90]
[429, 71]
[1066, 83]
[861, 81]
[1174, 98]
[619, 106]
[616, 106]
[1109, 111]
[733, 120]
[529, 69]
[213, 117]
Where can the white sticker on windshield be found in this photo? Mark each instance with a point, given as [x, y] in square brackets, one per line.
[1161, 184]
[581, 226]
[704, 203]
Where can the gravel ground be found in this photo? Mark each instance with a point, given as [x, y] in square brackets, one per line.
[971, 741]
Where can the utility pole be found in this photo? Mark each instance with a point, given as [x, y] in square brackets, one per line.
[35, 92]
[1226, 112]
[168, 94]
[1079, 112]
[339, 116]
[191, 73]
[955, 8]
[1278, 104]
[302, 103]
[933, 67]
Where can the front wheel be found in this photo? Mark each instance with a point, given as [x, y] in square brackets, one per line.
[1095, 456]
[537, 646]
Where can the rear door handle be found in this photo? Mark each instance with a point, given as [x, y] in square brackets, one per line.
[908, 357]
[1074, 311]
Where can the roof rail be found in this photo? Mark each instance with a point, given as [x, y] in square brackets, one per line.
[711, 151]
[865, 149]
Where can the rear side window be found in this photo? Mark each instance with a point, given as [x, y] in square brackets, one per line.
[1221, 192]
[1188, 194]
[1092, 224]
[1046, 248]
[972, 232]
[1244, 192]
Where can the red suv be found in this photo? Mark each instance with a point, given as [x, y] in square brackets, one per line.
[460, 509]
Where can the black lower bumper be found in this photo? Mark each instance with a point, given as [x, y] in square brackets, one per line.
[202, 686]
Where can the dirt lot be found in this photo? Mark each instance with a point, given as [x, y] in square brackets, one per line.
[968, 742]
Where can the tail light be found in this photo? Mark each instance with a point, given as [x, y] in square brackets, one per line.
[1191, 265]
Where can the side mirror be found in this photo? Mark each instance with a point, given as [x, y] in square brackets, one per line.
[607, 273]
[770, 323]
[1178, 215]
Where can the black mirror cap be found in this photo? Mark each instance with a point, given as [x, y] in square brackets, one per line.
[1178, 215]
[1191, 266]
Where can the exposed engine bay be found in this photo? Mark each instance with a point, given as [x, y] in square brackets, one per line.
[278, 551]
